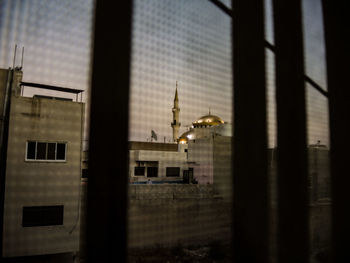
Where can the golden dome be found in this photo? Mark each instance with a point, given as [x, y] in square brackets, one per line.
[189, 135]
[208, 120]
[204, 121]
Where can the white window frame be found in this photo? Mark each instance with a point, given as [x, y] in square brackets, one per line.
[46, 160]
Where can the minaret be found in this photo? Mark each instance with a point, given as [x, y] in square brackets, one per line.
[176, 110]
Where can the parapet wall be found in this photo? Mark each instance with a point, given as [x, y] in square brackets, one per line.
[168, 215]
[171, 191]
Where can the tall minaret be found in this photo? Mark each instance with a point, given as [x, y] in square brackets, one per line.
[176, 110]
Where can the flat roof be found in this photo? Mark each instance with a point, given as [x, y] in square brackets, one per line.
[153, 146]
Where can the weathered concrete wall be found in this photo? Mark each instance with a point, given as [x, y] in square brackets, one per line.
[200, 153]
[5, 77]
[320, 228]
[42, 183]
[319, 202]
[3, 80]
[222, 159]
[169, 215]
[164, 158]
[319, 174]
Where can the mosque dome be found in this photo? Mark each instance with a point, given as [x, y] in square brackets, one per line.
[208, 120]
[189, 135]
[205, 121]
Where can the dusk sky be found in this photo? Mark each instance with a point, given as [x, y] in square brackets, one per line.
[184, 41]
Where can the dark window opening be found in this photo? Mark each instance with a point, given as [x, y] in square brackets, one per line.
[61, 151]
[152, 171]
[188, 177]
[51, 151]
[139, 171]
[31, 150]
[84, 173]
[185, 177]
[173, 171]
[41, 151]
[42, 216]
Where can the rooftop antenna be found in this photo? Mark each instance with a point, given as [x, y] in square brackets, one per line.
[14, 56]
[22, 57]
[209, 110]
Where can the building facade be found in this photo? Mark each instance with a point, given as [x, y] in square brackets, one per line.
[43, 171]
[156, 162]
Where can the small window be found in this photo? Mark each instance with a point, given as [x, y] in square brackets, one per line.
[84, 173]
[172, 171]
[152, 171]
[139, 171]
[41, 151]
[51, 151]
[61, 151]
[42, 216]
[31, 150]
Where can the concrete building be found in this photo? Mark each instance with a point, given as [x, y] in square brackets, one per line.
[157, 162]
[210, 159]
[43, 163]
[190, 159]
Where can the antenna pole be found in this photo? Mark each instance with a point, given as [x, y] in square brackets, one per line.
[14, 56]
[22, 58]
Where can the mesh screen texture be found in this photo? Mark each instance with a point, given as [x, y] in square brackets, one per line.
[175, 44]
[56, 36]
[184, 45]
